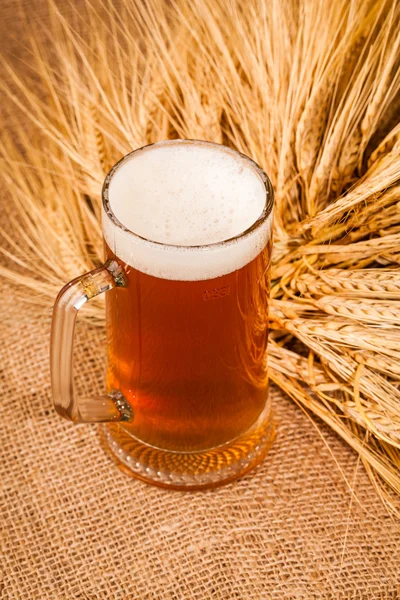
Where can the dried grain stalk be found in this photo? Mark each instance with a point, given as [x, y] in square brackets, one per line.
[305, 88]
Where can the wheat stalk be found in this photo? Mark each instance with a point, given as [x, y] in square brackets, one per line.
[310, 90]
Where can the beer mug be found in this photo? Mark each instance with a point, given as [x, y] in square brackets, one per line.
[187, 229]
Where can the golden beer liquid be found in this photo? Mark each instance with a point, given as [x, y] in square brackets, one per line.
[190, 356]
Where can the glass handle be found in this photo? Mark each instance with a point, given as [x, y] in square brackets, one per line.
[110, 407]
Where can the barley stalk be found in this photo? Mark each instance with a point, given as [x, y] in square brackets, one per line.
[388, 365]
[368, 283]
[378, 456]
[362, 310]
[311, 93]
[383, 175]
[380, 339]
[385, 146]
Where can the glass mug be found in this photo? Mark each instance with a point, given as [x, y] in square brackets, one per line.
[187, 229]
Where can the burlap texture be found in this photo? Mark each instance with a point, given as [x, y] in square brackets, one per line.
[74, 526]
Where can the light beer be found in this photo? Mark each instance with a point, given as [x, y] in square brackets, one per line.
[187, 334]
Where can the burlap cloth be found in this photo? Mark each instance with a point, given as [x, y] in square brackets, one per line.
[73, 526]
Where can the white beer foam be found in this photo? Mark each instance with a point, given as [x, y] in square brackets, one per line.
[183, 199]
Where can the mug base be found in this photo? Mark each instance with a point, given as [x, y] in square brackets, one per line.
[192, 470]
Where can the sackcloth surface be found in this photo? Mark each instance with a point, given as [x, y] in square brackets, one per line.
[74, 527]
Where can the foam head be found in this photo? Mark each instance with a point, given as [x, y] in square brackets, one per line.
[177, 210]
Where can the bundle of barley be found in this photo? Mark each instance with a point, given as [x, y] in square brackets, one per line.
[310, 89]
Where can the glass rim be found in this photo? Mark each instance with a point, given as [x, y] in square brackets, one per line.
[266, 212]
